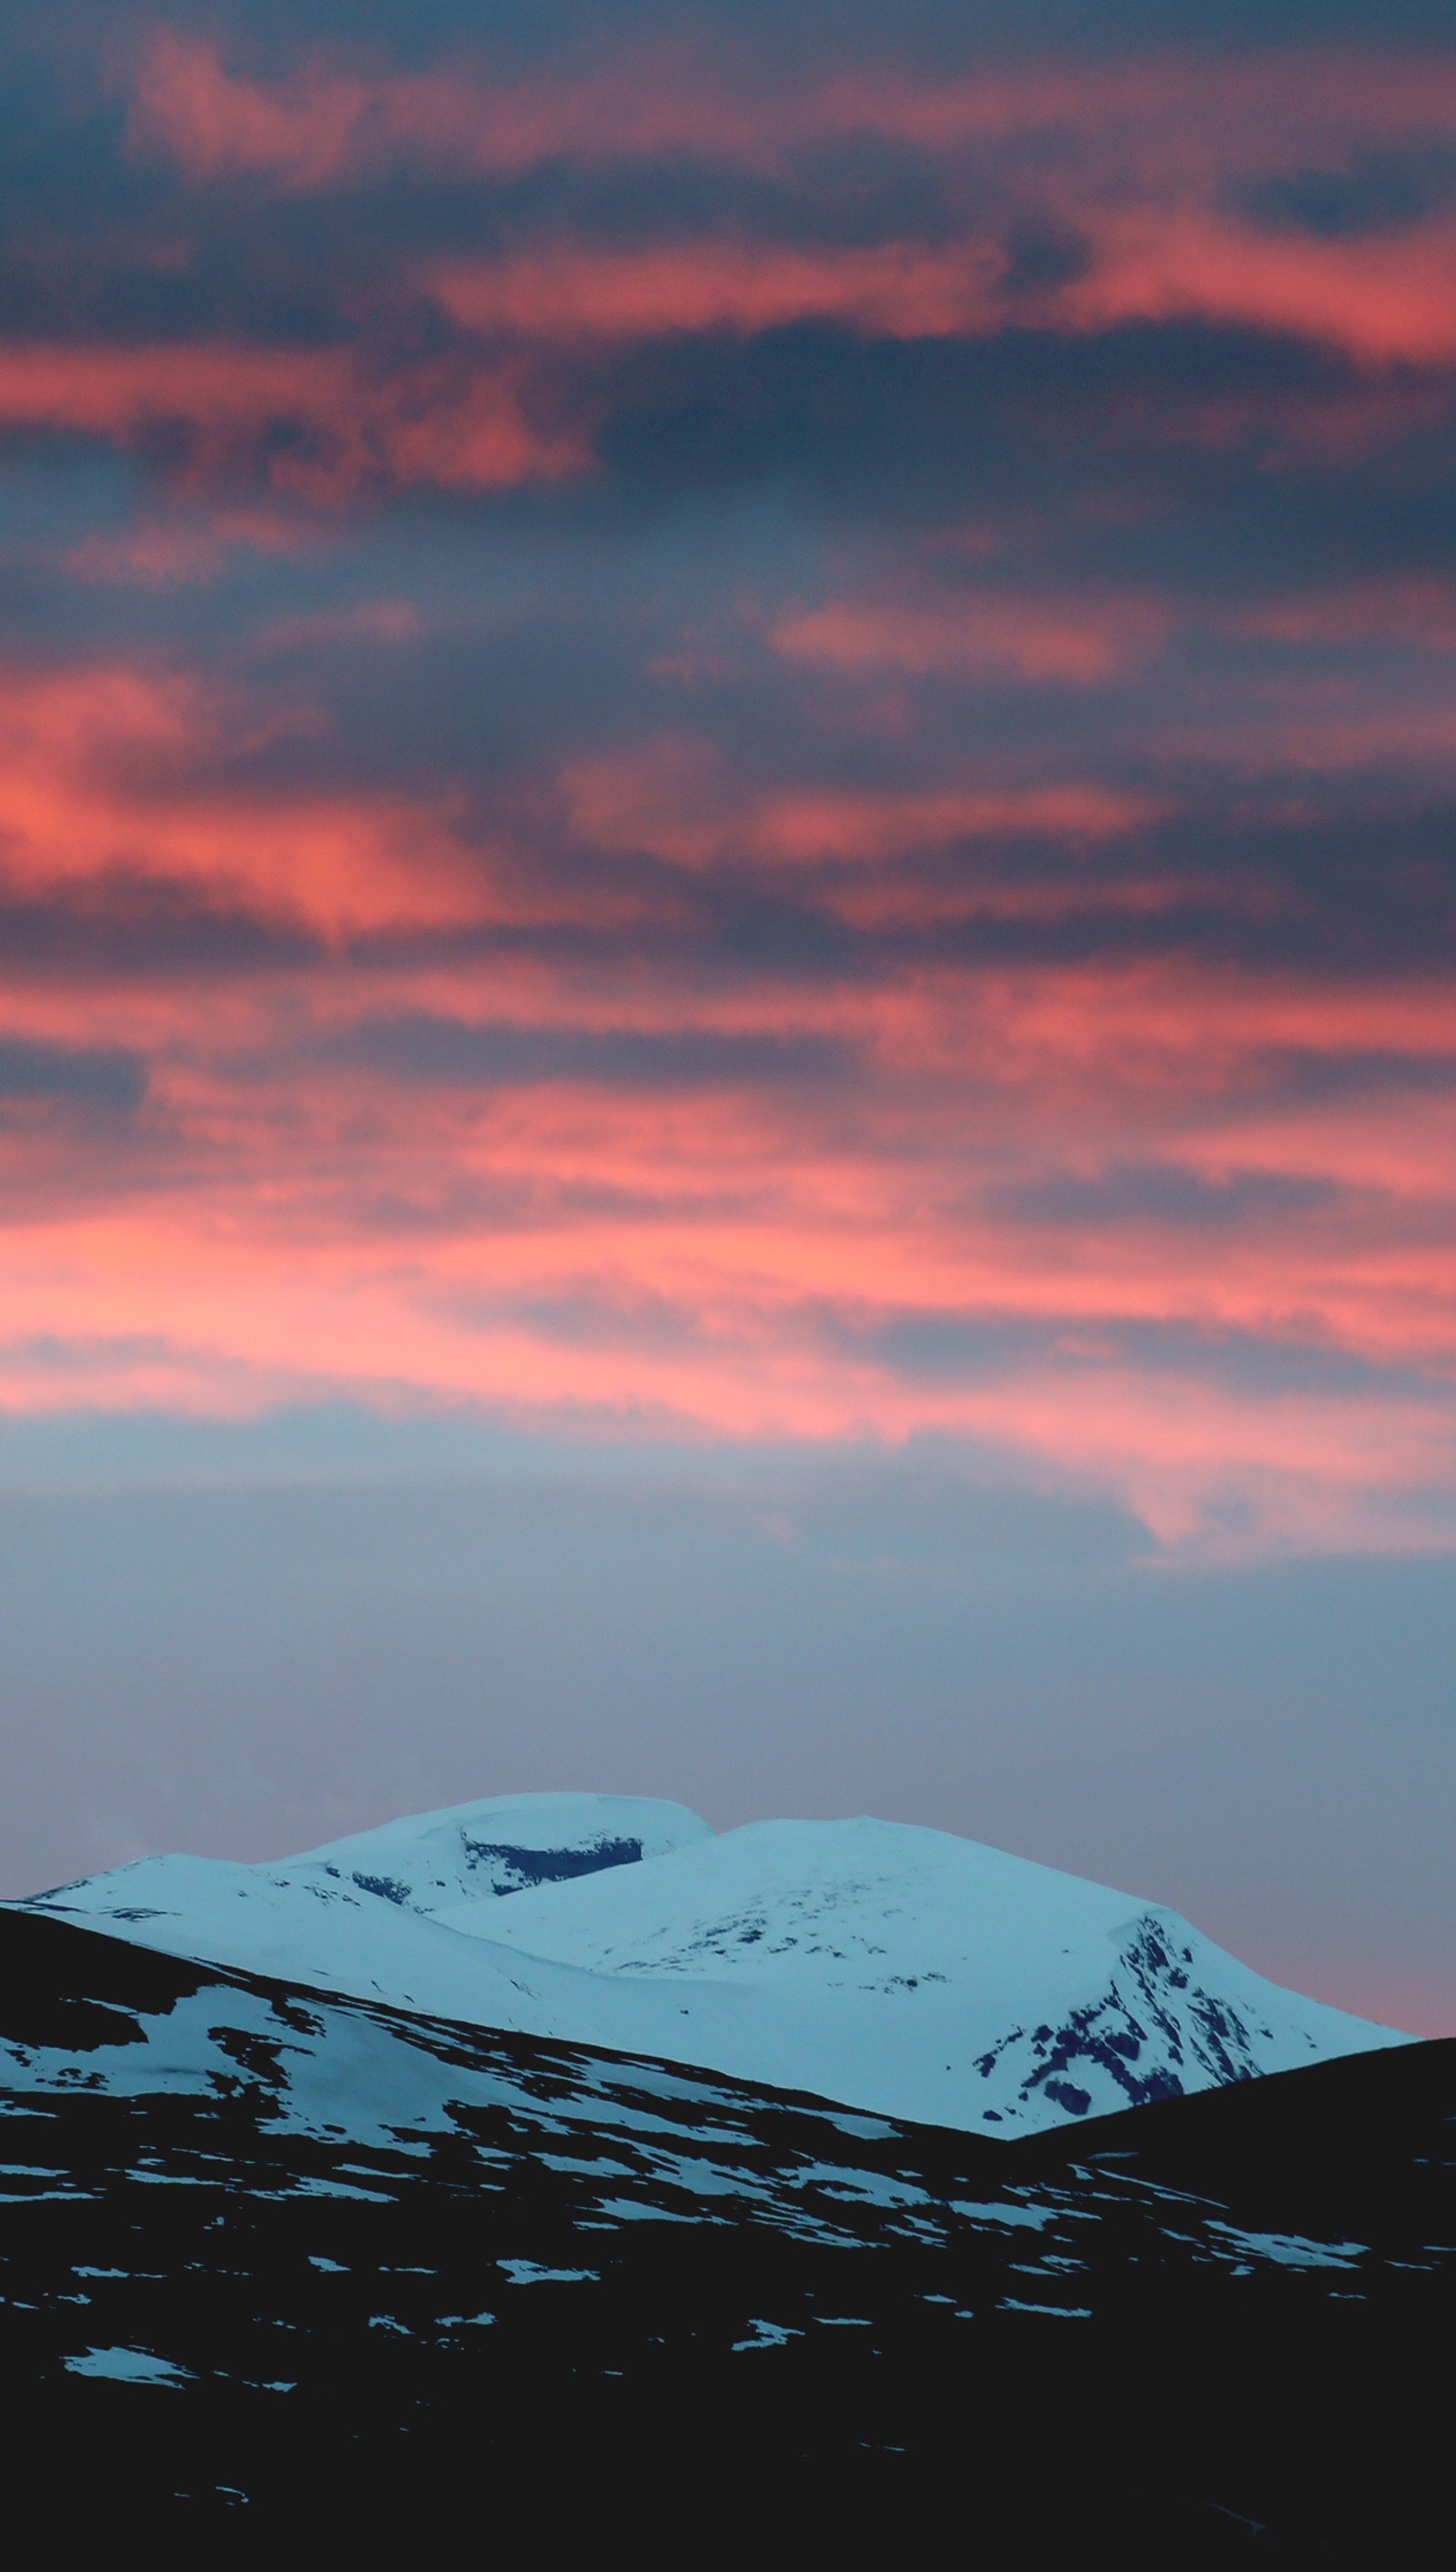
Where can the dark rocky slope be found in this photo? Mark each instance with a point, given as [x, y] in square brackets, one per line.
[285, 2263]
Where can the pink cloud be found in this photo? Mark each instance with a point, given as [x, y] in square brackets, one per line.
[898, 289]
[1148, 149]
[673, 798]
[780, 1232]
[463, 425]
[1073, 639]
[1048, 1205]
[1383, 300]
[104, 773]
[1181, 111]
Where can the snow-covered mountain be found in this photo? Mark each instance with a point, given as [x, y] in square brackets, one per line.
[898, 1970]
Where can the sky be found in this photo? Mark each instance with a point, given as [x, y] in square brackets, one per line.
[727, 1047]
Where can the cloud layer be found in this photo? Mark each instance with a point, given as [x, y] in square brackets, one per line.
[740, 740]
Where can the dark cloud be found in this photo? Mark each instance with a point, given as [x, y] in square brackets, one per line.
[106, 1076]
[451, 1054]
[150, 931]
[644, 1322]
[951, 1347]
[1163, 1193]
[929, 426]
[1346, 1072]
[927, 31]
[1337, 204]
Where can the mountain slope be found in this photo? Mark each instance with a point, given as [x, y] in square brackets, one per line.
[359, 2275]
[1052, 1998]
[903, 1971]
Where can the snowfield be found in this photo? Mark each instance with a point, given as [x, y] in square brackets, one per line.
[901, 1970]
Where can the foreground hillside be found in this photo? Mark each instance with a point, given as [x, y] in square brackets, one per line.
[317, 2265]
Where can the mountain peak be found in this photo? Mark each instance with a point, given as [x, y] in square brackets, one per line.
[892, 1968]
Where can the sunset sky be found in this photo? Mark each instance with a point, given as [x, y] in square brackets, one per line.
[727, 880]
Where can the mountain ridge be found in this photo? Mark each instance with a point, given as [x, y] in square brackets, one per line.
[903, 1970]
